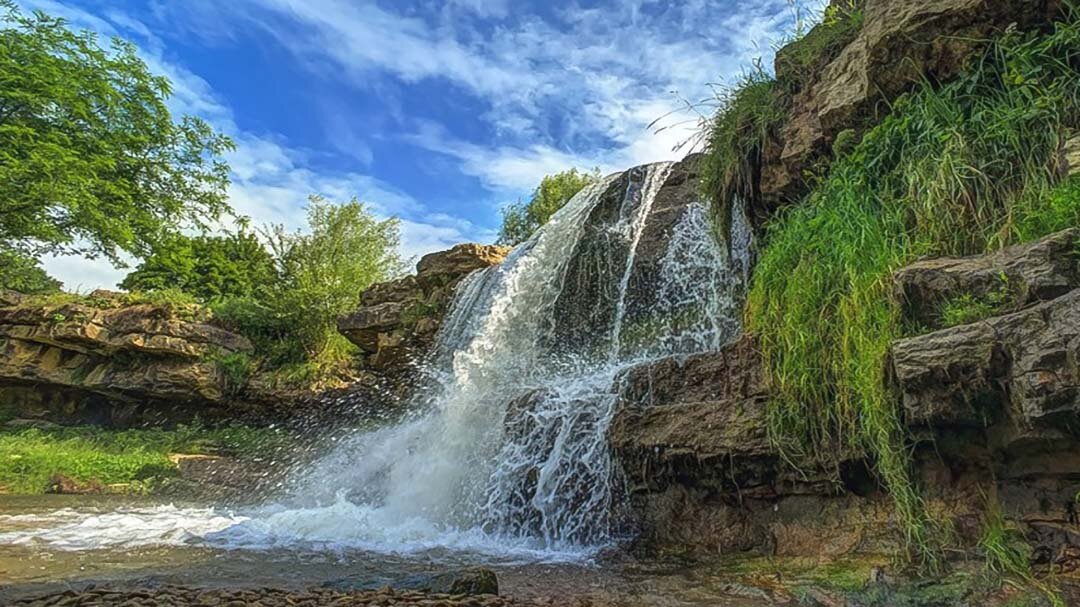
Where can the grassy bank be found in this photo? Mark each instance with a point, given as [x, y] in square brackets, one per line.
[963, 168]
[30, 458]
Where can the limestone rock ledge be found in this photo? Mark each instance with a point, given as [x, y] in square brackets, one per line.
[397, 321]
[102, 361]
[993, 406]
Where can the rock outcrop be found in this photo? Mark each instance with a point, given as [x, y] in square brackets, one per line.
[99, 360]
[993, 405]
[705, 479]
[897, 44]
[397, 321]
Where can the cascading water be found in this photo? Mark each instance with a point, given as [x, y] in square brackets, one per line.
[507, 450]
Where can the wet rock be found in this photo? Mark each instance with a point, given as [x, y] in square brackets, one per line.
[1023, 274]
[705, 479]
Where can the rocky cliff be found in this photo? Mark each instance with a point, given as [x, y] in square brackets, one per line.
[397, 321]
[993, 403]
[106, 361]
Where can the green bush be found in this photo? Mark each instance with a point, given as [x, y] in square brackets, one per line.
[322, 272]
[207, 267]
[961, 169]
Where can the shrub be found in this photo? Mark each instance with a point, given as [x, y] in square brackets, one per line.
[207, 267]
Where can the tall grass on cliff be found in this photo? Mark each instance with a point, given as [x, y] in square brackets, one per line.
[748, 113]
[961, 169]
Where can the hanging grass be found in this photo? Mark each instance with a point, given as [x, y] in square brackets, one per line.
[962, 169]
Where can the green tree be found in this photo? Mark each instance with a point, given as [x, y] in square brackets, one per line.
[207, 267]
[521, 220]
[322, 272]
[91, 160]
[24, 274]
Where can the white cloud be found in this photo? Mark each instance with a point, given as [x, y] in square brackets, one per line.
[603, 73]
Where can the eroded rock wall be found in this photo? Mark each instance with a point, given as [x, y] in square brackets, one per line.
[103, 361]
[993, 406]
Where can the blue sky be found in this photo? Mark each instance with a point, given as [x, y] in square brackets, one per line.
[435, 112]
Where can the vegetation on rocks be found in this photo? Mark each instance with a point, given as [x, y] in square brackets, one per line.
[31, 457]
[963, 168]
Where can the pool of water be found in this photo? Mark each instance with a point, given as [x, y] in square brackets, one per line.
[56, 542]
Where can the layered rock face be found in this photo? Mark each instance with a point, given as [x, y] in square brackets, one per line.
[899, 43]
[110, 363]
[705, 479]
[999, 398]
[994, 405]
[397, 322]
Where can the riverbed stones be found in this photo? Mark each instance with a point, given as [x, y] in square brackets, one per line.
[180, 596]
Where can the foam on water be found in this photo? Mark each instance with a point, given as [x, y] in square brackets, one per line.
[506, 451]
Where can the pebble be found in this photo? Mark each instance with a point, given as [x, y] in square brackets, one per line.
[180, 596]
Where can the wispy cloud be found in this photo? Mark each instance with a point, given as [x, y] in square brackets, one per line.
[270, 180]
[574, 85]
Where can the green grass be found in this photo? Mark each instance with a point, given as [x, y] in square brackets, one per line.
[747, 115]
[30, 457]
[1007, 556]
[808, 53]
[961, 169]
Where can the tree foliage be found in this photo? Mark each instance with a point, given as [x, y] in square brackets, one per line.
[24, 274]
[521, 220]
[91, 160]
[207, 267]
[322, 272]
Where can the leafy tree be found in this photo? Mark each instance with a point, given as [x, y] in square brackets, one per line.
[208, 267]
[24, 274]
[91, 160]
[323, 272]
[521, 220]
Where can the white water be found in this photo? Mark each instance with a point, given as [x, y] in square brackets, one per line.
[507, 452]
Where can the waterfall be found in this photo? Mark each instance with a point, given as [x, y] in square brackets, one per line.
[506, 447]
[511, 441]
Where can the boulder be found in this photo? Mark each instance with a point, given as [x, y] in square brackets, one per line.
[458, 262]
